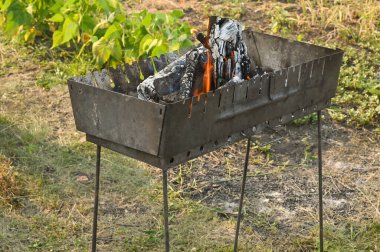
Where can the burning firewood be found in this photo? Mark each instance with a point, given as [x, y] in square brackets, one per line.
[228, 50]
[223, 59]
[193, 68]
[175, 81]
[166, 81]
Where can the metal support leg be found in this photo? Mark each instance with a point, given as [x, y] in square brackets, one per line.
[96, 201]
[320, 192]
[242, 193]
[166, 209]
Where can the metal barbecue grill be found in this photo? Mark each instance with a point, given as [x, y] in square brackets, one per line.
[105, 107]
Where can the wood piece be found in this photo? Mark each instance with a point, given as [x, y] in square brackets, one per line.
[229, 52]
[194, 68]
[177, 76]
[119, 80]
[164, 82]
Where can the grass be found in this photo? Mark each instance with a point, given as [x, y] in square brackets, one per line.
[352, 26]
[47, 170]
[56, 66]
[48, 212]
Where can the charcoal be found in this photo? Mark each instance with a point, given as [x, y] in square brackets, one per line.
[178, 75]
[165, 81]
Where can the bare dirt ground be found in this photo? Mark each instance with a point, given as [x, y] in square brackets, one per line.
[281, 202]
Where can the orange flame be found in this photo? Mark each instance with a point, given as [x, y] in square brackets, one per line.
[207, 77]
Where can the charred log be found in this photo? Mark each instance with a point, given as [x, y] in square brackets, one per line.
[164, 82]
[193, 73]
[229, 52]
[177, 76]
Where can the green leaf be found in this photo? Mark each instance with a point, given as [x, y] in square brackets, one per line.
[121, 18]
[57, 18]
[182, 38]
[94, 39]
[147, 21]
[160, 18]
[144, 44]
[129, 56]
[107, 5]
[187, 43]
[11, 27]
[374, 91]
[159, 50]
[116, 51]
[177, 13]
[101, 51]
[56, 6]
[70, 29]
[57, 38]
[112, 32]
[88, 24]
[151, 45]
[175, 45]
[5, 6]
[17, 17]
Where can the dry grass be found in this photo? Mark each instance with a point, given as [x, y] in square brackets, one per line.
[11, 187]
[342, 18]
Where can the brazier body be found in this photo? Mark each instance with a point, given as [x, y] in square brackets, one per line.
[304, 79]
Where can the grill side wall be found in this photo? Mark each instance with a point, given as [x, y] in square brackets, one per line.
[194, 127]
[116, 117]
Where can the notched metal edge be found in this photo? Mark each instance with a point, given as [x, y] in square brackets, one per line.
[239, 135]
[277, 85]
[240, 92]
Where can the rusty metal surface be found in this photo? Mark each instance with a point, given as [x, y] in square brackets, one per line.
[304, 80]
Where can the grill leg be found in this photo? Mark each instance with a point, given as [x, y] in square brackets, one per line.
[166, 209]
[242, 193]
[320, 192]
[96, 201]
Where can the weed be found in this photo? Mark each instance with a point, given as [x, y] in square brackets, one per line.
[282, 21]
[309, 157]
[265, 149]
[311, 118]
[231, 9]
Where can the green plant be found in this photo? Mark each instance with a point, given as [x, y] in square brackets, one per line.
[308, 152]
[358, 100]
[264, 149]
[311, 118]
[282, 21]
[102, 25]
[235, 9]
